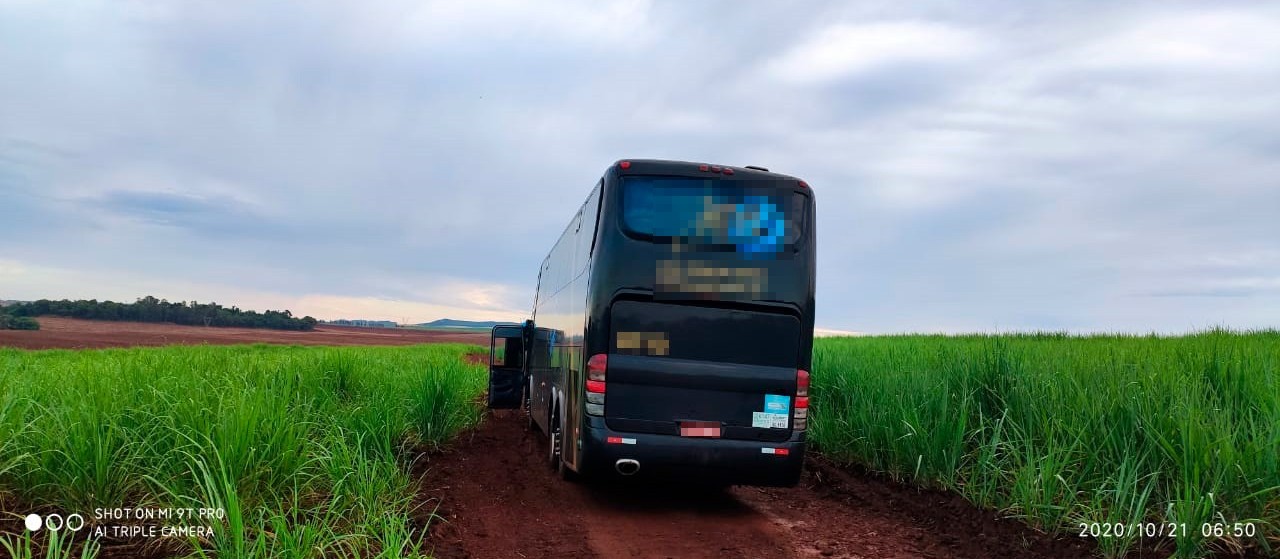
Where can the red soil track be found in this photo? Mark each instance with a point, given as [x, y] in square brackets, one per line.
[496, 498]
[74, 333]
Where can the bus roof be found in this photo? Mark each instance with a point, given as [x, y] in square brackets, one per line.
[692, 169]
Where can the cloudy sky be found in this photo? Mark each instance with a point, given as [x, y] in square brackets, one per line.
[978, 165]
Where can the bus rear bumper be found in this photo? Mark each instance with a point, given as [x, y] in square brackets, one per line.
[694, 459]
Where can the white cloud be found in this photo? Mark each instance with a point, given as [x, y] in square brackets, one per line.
[843, 49]
[453, 25]
[1190, 41]
[331, 307]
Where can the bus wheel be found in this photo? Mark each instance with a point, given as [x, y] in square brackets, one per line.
[557, 451]
[555, 439]
[530, 424]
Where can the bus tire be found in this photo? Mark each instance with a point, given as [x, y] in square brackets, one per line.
[555, 439]
[530, 423]
[562, 468]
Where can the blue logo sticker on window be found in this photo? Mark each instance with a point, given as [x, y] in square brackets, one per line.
[777, 403]
[757, 227]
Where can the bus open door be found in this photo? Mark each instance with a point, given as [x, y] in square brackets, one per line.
[506, 367]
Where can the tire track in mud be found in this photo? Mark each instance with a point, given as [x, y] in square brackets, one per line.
[495, 497]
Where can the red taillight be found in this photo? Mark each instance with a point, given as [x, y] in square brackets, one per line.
[800, 413]
[597, 366]
[625, 164]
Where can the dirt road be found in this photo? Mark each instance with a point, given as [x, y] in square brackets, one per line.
[74, 333]
[498, 499]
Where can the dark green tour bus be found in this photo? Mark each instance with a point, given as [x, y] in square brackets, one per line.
[673, 328]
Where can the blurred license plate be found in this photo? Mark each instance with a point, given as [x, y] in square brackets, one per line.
[699, 428]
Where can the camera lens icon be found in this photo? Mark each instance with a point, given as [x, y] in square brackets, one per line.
[54, 522]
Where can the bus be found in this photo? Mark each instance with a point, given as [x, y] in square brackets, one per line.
[672, 329]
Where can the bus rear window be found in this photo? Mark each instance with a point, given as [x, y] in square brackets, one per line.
[758, 218]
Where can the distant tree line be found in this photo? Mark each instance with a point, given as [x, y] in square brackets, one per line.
[150, 309]
[8, 322]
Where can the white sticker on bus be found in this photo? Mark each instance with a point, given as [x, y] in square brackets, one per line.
[765, 420]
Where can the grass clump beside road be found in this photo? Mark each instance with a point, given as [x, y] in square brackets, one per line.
[303, 448]
[1061, 430]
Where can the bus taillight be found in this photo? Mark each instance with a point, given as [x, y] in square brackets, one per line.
[800, 418]
[597, 366]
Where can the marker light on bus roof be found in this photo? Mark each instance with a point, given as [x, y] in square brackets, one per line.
[625, 164]
[715, 169]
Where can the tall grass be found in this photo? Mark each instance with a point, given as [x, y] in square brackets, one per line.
[303, 448]
[1061, 430]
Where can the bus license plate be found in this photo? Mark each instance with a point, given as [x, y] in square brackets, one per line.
[699, 428]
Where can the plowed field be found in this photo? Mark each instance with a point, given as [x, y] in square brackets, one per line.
[73, 333]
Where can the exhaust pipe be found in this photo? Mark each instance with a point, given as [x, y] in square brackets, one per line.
[627, 466]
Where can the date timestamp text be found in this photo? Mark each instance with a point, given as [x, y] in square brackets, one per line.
[1167, 529]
